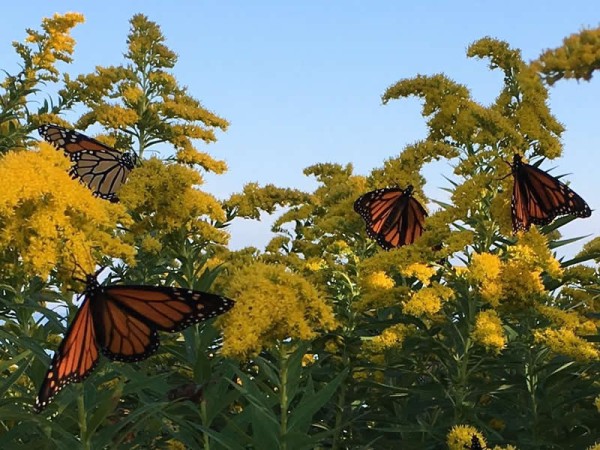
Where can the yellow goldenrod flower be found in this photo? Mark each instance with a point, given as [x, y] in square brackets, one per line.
[150, 244]
[391, 337]
[488, 331]
[332, 346]
[535, 245]
[174, 444]
[421, 272]
[461, 271]
[380, 280]
[485, 267]
[485, 270]
[52, 45]
[571, 320]
[308, 359]
[360, 375]
[564, 342]
[190, 155]
[179, 205]
[272, 304]
[50, 220]
[315, 264]
[461, 436]
[520, 282]
[428, 301]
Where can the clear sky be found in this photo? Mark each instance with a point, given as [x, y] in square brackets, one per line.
[301, 81]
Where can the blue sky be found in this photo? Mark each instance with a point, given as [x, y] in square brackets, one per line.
[301, 81]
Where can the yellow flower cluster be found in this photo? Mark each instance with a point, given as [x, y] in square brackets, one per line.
[460, 437]
[190, 155]
[380, 280]
[485, 270]
[54, 44]
[517, 279]
[520, 282]
[315, 264]
[391, 337]
[179, 204]
[272, 304]
[428, 301]
[574, 59]
[564, 341]
[47, 219]
[571, 320]
[488, 331]
[308, 359]
[379, 290]
[421, 272]
[533, 248]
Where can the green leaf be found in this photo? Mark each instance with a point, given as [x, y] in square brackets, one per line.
[265, 433]
[301, 416]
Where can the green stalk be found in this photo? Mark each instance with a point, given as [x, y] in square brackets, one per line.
[460, 392]
[85, 441]
[204, 418]
[283, 397]
[531, 380]
[339, 414]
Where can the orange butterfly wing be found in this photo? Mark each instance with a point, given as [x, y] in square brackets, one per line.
[122, 323]
[104, 173]
[128, 317]
[538, 198]
[75, 359]
[71, 141]
[99, 167]
[393, 217]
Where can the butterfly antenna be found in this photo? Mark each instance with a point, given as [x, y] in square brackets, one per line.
[509, 173]
[77, 266]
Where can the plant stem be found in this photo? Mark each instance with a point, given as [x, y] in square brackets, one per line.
[283, 396]
[83, 422]
[203, 416]
[339, 415]
[531, 380]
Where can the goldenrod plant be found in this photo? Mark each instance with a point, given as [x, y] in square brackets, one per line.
[470, 336]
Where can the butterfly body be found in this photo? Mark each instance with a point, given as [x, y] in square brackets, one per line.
[475, 444]
[393, 216]
[122, 323]
[101, 168]
[538, 198]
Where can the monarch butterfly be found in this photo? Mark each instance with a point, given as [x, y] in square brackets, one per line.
[393, 216]
[99, 167]
[475, 444]
[121, 322]
[539, 198]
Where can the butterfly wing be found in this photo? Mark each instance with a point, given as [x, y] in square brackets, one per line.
[538, 198]
[71, 141]
[101, 168]
[75, 359]
[475, 444]
[128, 317]
[393, 217]
[102, 172]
